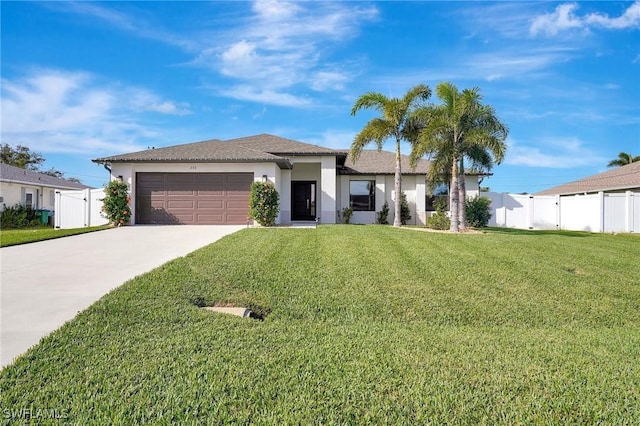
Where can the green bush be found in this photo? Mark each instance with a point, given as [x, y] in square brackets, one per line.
[405, 213]
[478, 211]
[383, 215]
[439, 220]
[264, 203]
[347, 212]
[116, 203]
[18, 216]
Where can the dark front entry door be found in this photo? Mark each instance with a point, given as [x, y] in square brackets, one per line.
[303, 200]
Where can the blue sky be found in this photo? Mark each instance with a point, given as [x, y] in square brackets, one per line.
[84, 80]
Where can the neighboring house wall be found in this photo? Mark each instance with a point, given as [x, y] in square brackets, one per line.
[16, 193]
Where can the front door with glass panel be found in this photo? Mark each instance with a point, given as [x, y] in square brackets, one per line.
[303, 200]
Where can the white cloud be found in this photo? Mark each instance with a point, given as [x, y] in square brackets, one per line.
[75, 112]
[556, 153]
[564, 18]
[265, 96]
[281, 46]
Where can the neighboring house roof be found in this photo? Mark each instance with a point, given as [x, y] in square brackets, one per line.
[620, 178]
[259, 148]
[374, 162]
[14, 174]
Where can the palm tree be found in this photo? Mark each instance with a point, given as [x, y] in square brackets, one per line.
[461, 127]
[392, 123]
[623, 159]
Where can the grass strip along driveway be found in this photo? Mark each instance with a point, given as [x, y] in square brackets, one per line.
[12, 237]
[364, 324]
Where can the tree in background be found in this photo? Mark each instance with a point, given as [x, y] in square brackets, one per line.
[393, 122]
[623, 159]
[21, 157]
[24, 158]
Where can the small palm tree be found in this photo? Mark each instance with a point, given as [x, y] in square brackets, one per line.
[461, 127]
[393, 122]
[623, 159]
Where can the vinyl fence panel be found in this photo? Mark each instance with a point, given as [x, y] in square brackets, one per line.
[545, 213]
[615, 212]
[79, 208]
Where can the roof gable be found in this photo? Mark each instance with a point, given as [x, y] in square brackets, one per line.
[15, 174]
[620, 178]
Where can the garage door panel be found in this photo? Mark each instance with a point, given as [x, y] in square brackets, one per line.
[213, 204]
[192, 198]
[180, 204]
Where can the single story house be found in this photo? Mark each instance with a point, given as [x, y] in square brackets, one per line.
[30, 189]
[618, 180]
[208, 182]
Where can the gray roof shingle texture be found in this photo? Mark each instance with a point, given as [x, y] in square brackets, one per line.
[10, 173]
[372, 161]
[253, 148]
[620, 178]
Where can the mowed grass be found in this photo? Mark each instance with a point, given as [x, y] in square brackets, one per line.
[364, 325]
[12, 237]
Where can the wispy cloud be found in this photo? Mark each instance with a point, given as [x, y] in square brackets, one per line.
[76, 112]
[282, 45]
[565, 18]
[555, 152]
[274, 49]
[125, 22]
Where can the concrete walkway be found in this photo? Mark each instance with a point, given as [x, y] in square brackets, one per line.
[46, 284]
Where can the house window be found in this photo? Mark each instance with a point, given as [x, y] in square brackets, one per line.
[28, 200]
[362, 195]
[440, 194]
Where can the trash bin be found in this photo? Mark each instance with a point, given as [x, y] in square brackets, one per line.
[44, 217]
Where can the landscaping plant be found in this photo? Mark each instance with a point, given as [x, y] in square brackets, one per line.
[439, 220]
[18, 216]
[478, 211]
[405, 212]
[116, 203]
[264, 203]
[383, 215]
[347, 212]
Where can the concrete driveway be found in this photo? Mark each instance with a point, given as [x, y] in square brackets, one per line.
[46, 284]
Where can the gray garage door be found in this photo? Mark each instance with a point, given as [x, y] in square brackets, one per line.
[193, 198]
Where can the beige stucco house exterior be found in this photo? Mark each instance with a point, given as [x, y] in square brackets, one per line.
[208, 182]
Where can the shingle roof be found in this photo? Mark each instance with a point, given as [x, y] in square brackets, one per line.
[277, 145]
[620, 178]
[10, 173]
[372, 161]
[259, 148]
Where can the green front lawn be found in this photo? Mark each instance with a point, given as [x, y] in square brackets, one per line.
[12, 237]
[364, 324]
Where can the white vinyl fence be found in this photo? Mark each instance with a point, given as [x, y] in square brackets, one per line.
[601, 212]
[78, 209]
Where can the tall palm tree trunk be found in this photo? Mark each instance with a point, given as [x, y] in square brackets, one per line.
[454, 197]
[397, 219]
[462, 197]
